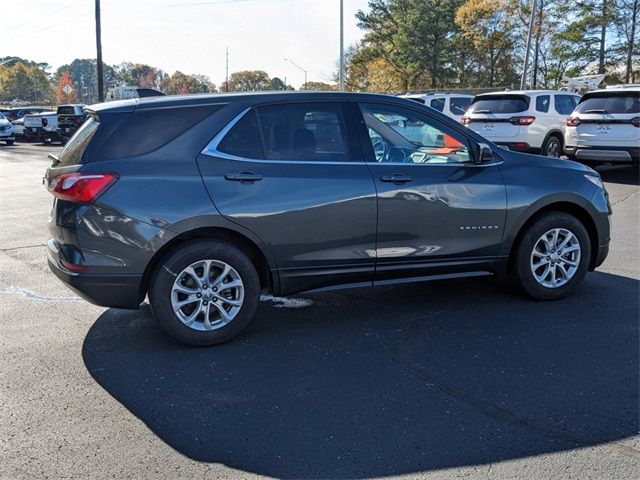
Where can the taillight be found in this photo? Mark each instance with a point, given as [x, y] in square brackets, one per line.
[465, 120]
[45, 122]
[522, 120]
[79, 187]
[635, 122]
[573, 121]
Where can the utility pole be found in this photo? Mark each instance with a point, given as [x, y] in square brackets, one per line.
[99, 54]
[523, 80]
[342, 45]
[226, 83]
[536, 55]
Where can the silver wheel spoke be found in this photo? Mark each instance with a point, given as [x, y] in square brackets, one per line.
[224, 294]
[224, 315]
[558, 251]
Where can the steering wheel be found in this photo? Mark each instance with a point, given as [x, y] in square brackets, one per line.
[380, 149]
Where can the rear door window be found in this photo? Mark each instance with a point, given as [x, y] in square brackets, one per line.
[459, 105]
[624, 103]
[66, 110]
[304, 132]
[564, 104]
[437, 104]
[542, 103]
[499, 104]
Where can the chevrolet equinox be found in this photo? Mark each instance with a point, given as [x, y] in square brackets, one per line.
[203, 202]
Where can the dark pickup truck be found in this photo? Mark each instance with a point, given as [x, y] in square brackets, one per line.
[70, 118]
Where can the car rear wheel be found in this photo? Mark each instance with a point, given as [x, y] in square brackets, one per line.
[204, 292]
[9, 142]
[552, 147]
[552, 257]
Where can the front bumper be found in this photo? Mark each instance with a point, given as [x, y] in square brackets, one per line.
[603, 154]
[105, 290]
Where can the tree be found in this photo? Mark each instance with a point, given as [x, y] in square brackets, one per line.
[319, 86]
[627, 22]
[278, 84]
[247, 81]
[61, 95]
[412, 37]
[180, 84]
[588, 33]
[85, 74]
[487, 26]
[26, 81]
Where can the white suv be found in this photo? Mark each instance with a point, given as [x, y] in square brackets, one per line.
[530, 121]
[451, 104]
[605, 127]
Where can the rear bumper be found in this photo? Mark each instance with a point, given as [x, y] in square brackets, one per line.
[39, 133]
[105, 290]
[603, 154]
[115, 291]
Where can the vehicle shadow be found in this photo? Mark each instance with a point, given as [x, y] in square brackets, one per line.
[621, 174]
[384, 381]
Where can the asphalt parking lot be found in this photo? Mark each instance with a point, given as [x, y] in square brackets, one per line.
[459, 379]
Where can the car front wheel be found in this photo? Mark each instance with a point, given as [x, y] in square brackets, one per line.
[204, 292]
[552, 257]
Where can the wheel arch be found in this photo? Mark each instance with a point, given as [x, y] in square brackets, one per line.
[259, 258]
[559, 134]
[572, 208]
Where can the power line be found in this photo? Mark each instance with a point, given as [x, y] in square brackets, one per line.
[41, 17]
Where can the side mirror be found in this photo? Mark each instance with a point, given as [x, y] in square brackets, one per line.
[484, 154]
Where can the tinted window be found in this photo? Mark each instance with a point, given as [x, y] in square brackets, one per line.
[303, 131]
[542, 103]
[149, 129]
[564, 104]
[2, 117]
[603, 103]
[66, 110]
[437, 103]
[499, 104]
[403, 136]
[459, 105]
[243, 140]
[73, 150]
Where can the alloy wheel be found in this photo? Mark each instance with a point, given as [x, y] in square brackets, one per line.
[207, 295]
[555, 258]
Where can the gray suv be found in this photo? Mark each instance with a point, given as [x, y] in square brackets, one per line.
[290, 192]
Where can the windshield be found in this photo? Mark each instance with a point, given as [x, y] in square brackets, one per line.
[499, 104]
[72, 153]
[627, 103]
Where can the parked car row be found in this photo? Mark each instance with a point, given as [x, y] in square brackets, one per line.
[603, 126]
[40, 123]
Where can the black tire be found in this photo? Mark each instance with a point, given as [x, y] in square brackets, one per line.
[176, 261]
[9, 142]
[552, 144]
[521, 270]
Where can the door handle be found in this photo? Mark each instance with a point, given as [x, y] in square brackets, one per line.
[245, 177]
[396, 178]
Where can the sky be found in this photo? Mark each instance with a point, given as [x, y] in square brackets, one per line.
[186, 35]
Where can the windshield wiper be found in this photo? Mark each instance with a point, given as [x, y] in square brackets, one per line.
[596, 110]
[483, 111]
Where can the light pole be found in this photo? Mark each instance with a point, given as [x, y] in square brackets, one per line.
[299, 68]
[523, 80]
[341, 46]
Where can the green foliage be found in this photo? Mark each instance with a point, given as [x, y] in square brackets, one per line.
[26, 81]
[248, 81]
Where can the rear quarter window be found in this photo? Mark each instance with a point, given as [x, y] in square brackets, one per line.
[75, 148]
[144, 131]
[499, 104]
[459, 105]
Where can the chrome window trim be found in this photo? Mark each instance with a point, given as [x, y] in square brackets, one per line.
[211, 150]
